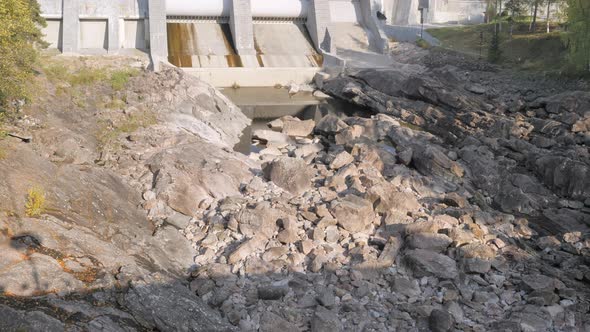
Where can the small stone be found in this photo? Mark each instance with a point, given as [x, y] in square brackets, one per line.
[332, 234]
[326, 298]
[342, 159]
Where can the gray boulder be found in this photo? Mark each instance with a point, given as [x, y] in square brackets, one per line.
[425, 263]
[290, 174]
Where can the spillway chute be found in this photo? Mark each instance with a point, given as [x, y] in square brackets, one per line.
[222, 8]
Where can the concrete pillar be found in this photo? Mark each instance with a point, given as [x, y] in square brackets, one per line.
[242, 29]
[158, 33]
[114, 30]
[70, 26]
[318, 20]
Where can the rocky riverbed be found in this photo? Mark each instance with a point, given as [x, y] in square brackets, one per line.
[459, 204]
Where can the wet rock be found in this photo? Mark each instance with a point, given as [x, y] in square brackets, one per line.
[290, 174]
[426, 263]
[352, 212]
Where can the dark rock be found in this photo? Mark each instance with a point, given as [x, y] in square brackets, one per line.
[440, 321]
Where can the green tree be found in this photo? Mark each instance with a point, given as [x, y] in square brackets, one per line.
[579, 33]
[20, 36]
[494, 52]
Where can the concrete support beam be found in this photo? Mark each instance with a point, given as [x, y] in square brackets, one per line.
[318, 19]
[158, 33]
[113, 31]
[377, 37]
[71, 26]
[240, 23]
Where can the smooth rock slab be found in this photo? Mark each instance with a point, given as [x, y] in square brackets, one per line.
[167, 305]
[425, 263]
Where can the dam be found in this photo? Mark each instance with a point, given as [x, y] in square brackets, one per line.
[229, 43]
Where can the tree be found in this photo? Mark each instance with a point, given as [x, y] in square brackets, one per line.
[535, 7]
[579, 33]
[494, 52]
[20, 36]
[514, 8]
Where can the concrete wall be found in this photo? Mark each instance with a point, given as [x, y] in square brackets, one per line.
[253, 77]
[405, 12]
[88, 26]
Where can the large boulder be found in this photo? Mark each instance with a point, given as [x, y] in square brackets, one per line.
[188, 176]
[290, 174]
[426, 263]
[262, 220]
[353, 213]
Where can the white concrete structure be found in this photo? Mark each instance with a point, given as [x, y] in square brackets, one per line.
[223, 41]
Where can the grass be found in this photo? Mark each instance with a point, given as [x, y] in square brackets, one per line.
[110, 132]
[35, 204]
[538, 51]
[120, 78]
[422, 43]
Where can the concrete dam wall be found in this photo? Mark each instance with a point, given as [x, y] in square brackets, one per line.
[235, 42]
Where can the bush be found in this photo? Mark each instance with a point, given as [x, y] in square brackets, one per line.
[35, 204]
[19, 37]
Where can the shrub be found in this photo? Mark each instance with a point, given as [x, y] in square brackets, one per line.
[19, 36]
[35, 204]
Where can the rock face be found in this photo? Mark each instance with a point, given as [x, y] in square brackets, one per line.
[450, 208]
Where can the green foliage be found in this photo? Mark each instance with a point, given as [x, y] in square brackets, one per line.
[422, 43]
[109, 131]
[19, 37]
[120, 78]
[35, 204]
[578, 36]
[494, 52]
[87, 76]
